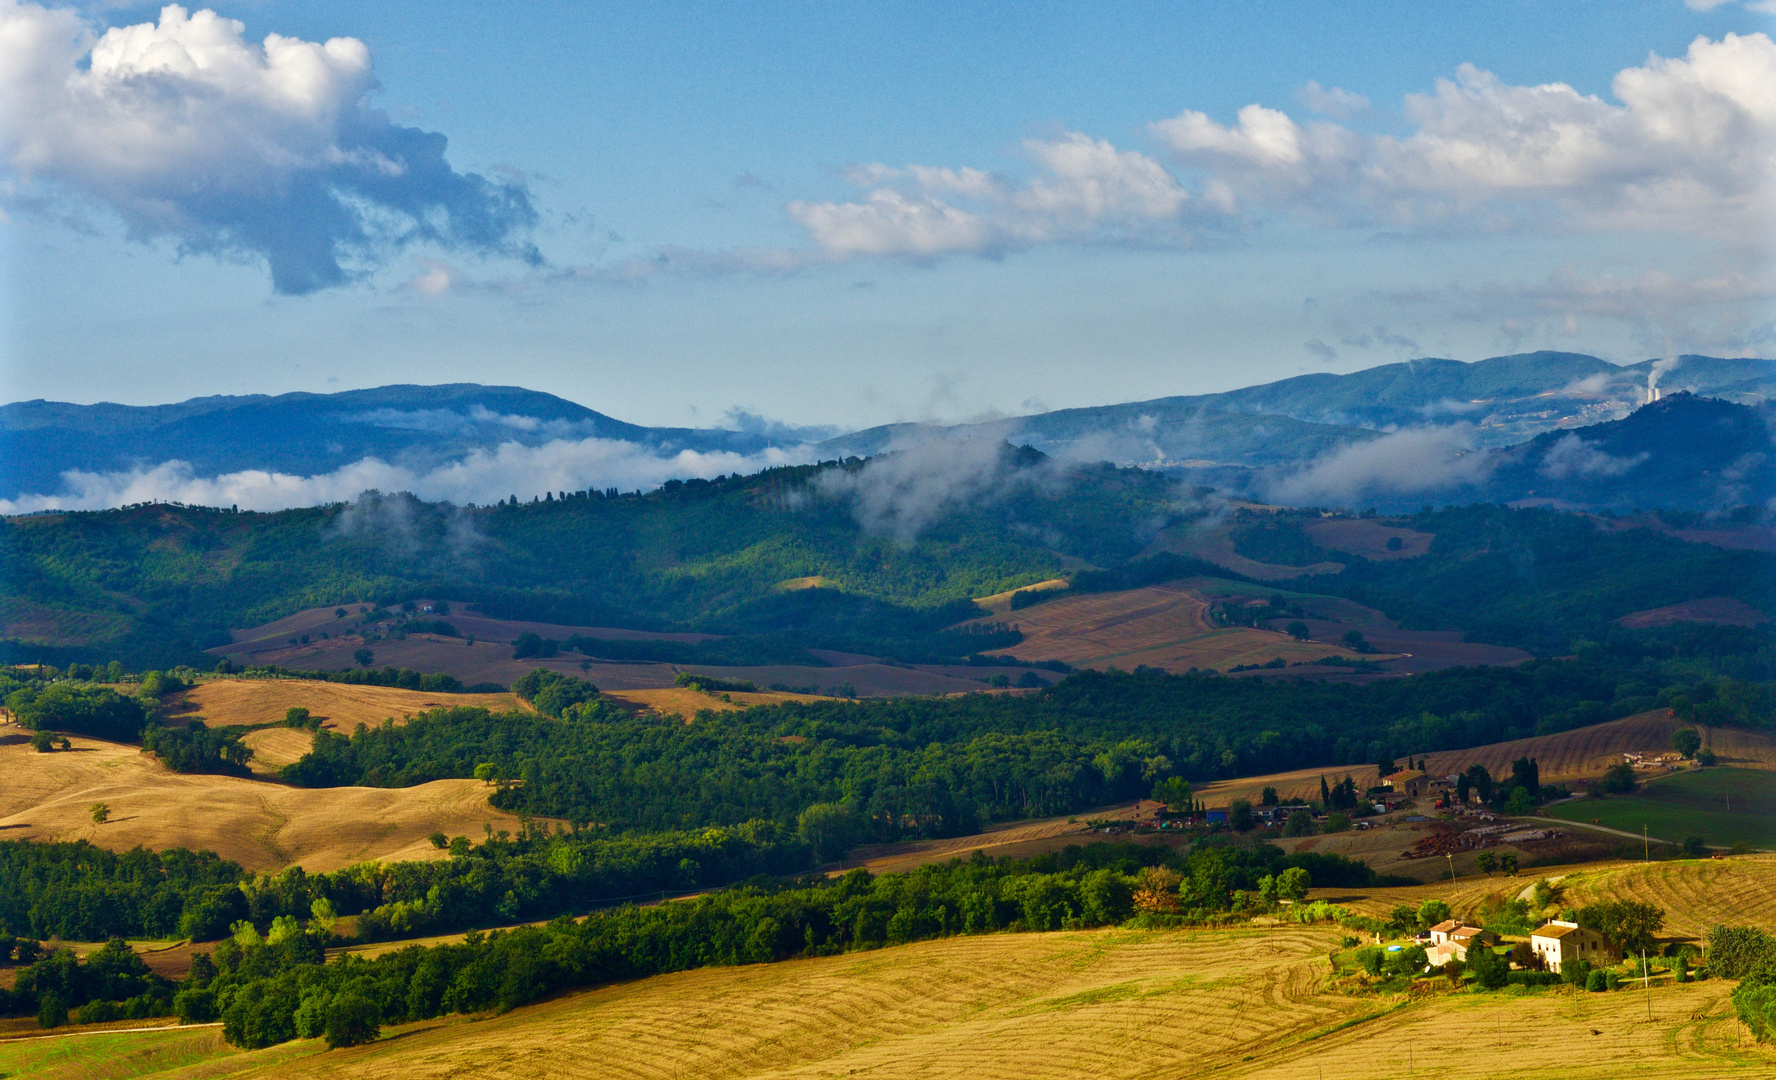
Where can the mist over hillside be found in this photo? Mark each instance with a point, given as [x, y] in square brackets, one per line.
[1400, 432]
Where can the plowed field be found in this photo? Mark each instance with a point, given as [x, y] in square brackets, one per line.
[1163, 626]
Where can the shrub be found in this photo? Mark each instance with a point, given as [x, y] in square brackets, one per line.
[51, 1011]
[1735, 952]
[1618, 779]
[1596, 982]
[1371, 958]
[1491, 970]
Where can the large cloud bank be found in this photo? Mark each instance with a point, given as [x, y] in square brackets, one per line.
[1688, 146]
[193, 134]
[482, 476]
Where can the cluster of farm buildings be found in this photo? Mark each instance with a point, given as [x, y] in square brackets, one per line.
[1555, 943]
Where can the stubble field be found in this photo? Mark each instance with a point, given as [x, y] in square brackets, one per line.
[261, 825]
[1109, 1003]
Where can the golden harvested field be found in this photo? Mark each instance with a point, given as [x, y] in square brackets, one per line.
[686, 703]
[340, 706]
[1164, 626]
[1695, 893]
[259, 824]
[1110, 1003]
[1000, 603]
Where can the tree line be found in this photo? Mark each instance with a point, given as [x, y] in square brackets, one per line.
[269, 980]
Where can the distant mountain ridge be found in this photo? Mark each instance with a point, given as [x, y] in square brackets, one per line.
[307, 434]
[1508, 400]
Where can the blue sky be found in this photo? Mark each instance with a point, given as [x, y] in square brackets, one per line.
[665, 211]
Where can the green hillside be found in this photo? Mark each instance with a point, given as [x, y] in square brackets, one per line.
[158, 583]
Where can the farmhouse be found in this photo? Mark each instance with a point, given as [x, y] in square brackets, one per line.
[1408, 782]
[1561, 941]
[1450, 940]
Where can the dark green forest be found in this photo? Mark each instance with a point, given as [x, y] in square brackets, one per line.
[154, 585]
[942, 766]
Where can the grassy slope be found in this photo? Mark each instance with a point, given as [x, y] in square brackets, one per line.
[1691, 804]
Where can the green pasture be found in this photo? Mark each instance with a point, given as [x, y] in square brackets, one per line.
[1691, 803]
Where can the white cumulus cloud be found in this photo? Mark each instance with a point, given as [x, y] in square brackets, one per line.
[1690, 148]
[1084, 187]
[194, 134]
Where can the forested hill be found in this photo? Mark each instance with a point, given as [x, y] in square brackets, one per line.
[876, 557]
[857, 555]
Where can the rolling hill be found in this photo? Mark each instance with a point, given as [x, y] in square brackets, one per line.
[1113, 1003]
[259, 824]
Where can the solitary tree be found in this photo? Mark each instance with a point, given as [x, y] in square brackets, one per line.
[1487, 862]
[1268, 797]
[1618, 778]
[1175, 792]
[1297, 630]
[363, 657]
[1293, 883]
[1239, 815]
[101, 813]
[1300, 823]
[1686, 741]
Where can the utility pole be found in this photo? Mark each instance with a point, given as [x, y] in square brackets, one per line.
[1647, 855]
[1451, 859]
[1646, 981]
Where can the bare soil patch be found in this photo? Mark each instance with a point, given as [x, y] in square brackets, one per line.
[1163, 626]
[1368, 537]
[1720, 610]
